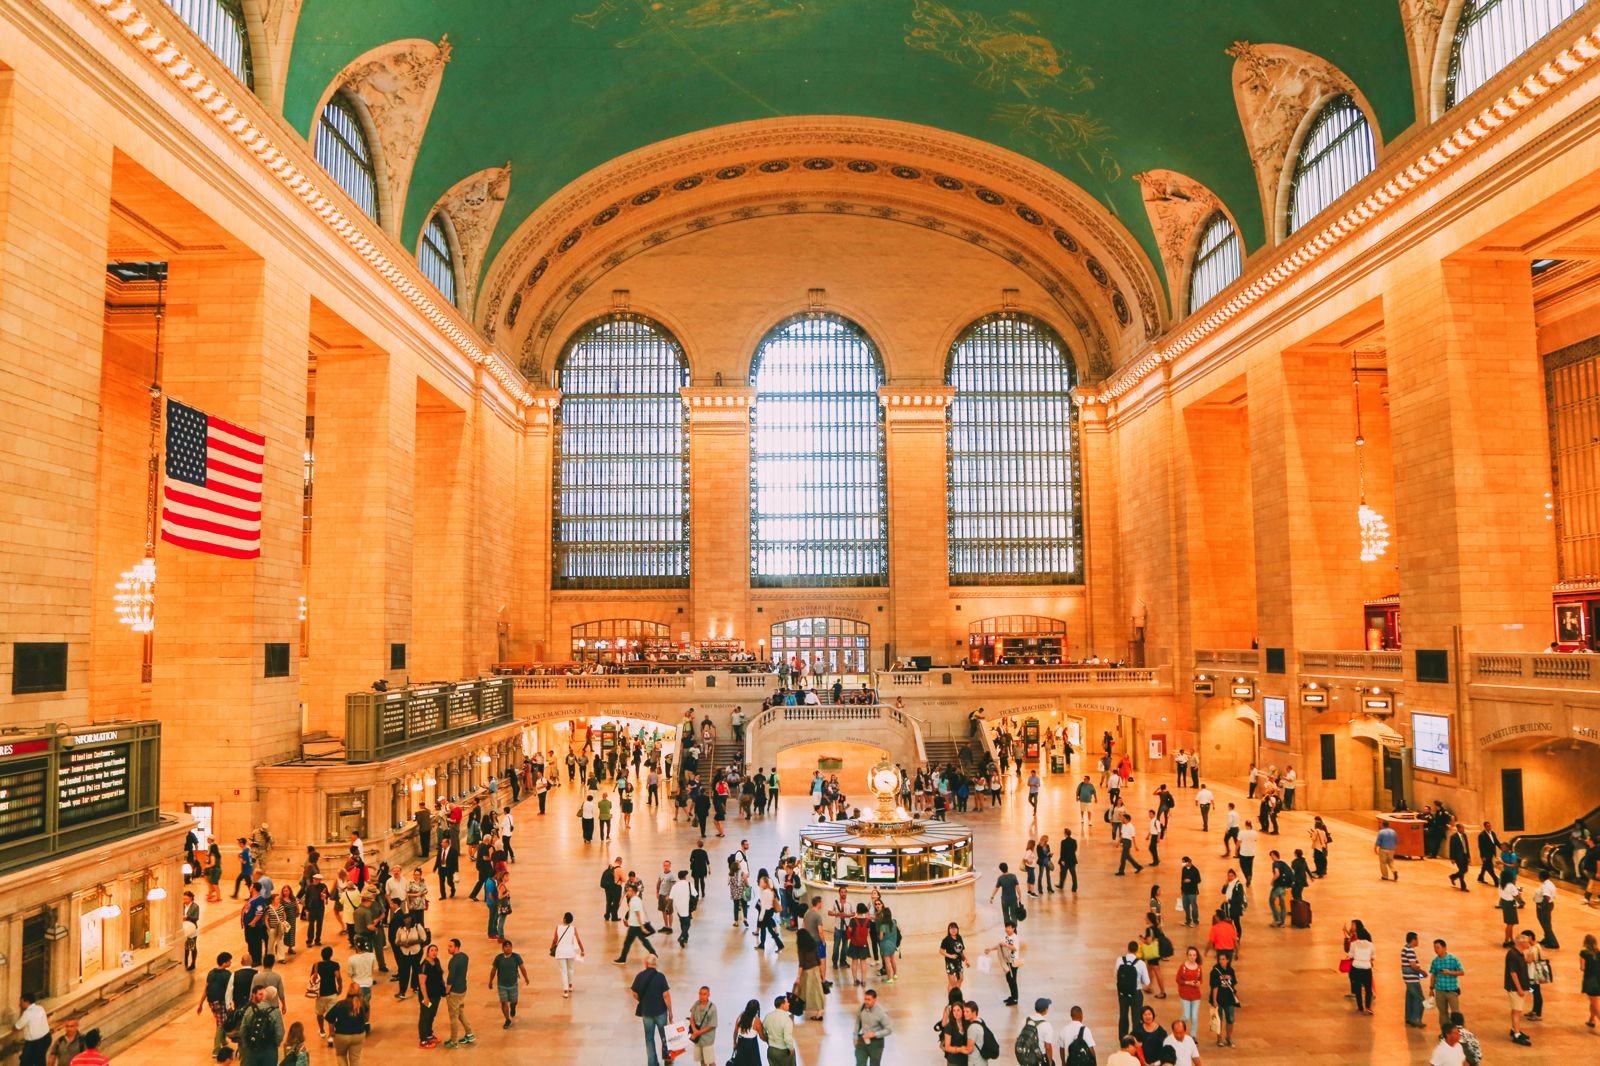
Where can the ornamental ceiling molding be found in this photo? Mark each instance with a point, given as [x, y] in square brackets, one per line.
[787, 141]
[1275, 87]
[561, 292]
[473, 205]
[1178, 206]
[1423, 20]
[398, 83]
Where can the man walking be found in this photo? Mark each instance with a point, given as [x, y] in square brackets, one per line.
[1133, 977]
[1488, 848]
[1067, 857]
[1247, 852]
[445, 864]
[455, 996]
[1231, 834]
[1412, 973]
[871, 1029]
[1282, 881]
[1033, 789]
[1517, 985]
[611, 881]
[504, 969]
[1126, 836]
[634, 918]
[703, 1028]
[699, 866]
[1384, 846]
[682, 894]
[1086, 797]
[1189, 891]
[1203, 799]
[508, 825]
[1006, 884]
[652, 996]
[1444, 977]
[664, 885]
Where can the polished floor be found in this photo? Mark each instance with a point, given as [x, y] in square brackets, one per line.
[1296, 1007]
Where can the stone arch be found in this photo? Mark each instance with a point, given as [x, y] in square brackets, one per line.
[473, 206]
[1179, 207]
[1230, 736]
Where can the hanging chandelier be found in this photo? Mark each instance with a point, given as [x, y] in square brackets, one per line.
[136, 597]
[1374, 530]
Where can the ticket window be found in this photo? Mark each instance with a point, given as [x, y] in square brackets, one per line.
[347, 813]
[139, 913]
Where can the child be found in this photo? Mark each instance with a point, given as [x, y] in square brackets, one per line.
[294, 1047]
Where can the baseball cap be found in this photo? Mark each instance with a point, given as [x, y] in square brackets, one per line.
[1041, 1005]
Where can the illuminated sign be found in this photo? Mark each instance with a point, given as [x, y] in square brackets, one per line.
[1275, 719]
[1430, 740]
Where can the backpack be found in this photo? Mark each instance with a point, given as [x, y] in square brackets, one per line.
[1127, 977]
[1079, 1053]
[989, 1047]
[1028, 1048]
[257, 1028]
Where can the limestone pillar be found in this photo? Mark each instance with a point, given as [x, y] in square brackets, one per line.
[919, 537]
[719, 511]
[1471, 458]
[1104, 629]
[443, 537]
[236, 332]
[55, 189]
[530, 624]
[359, 593]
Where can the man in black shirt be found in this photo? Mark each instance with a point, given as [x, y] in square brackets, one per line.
[1067, 858]
[699, 865]
[1517, 985]
[243, 978]
[215, 996]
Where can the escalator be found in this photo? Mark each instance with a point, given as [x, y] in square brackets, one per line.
[1554, 850]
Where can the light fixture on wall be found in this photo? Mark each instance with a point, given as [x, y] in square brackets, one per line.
[135, 596]
[156, 894]
[1374, 530]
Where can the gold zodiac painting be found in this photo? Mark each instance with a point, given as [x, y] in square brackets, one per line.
[669, 16]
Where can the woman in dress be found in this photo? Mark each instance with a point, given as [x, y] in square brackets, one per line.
[747, 1035]
[954, 950]
[1150, 953]
[1589, 966]
[739, 890]
[430, 986]
[213, 873]
[889, 945]
[566, 947]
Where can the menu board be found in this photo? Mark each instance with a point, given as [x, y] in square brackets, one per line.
[92, 783]
[22, 799]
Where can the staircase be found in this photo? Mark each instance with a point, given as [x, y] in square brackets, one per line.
[724, 753]
[943, 751]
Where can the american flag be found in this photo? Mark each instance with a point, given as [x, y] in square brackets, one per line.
[212, 495]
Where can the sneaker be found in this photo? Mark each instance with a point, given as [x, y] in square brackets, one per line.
[470, 1038]
[449, 1044]
[506, 1024]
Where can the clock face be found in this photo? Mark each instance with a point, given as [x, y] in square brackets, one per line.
[884, 780]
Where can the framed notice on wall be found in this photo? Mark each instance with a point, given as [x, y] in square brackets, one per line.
[1430, 739]
[1275, 719]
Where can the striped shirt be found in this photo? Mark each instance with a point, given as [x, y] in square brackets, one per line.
[1408, 965]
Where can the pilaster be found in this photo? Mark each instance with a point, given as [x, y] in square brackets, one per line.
[915, 435]
[719, 509]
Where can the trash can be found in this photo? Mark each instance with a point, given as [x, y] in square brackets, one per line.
[1058, 763]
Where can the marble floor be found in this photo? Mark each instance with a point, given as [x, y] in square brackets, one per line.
[1296, 1007]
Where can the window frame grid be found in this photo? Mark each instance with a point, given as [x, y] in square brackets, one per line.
[977, 439]
[1322, 170]
[624, 558]
[354, 158]
[436, 258]
[1206, 277]
[221, 26]
[845, 501]
[1495, 53]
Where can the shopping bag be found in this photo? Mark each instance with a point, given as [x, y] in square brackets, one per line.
[985, 963]
[1216, 1020]
[677, 1040]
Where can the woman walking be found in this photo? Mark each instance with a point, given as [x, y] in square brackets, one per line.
[747, 1035]
[739, 890]
[328, 983]
[1150, 952]
[588, 810]
[889, 945]
[350, 1022]
[1360, 952]
[417, 896]
[954, 950]
[1189, 976]
[1320, 839]
[858, 944]
[429, 982]
[1589, 966]
[1224, 996]
[566, 947]
[213, 873]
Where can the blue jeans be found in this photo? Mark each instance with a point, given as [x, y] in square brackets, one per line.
[495, 921]
[1413, 1002]
[1191, 1014]
[1280, 909]
[1191, 907]
[655, 1032]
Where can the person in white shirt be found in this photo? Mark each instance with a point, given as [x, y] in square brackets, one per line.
[1247, 852]
[1155, 839]
[1204, 799]
[1182, 1044]
[359, 968]
[1232, 833]
[34, 1026]
[1114, 786]
[508, 826]
[1047, 1032]
[681, 896]
[1074, 1029]
[1544, 905]
[1126, 836]
[1288, 789]
[1127, 1054]
[1448, 1051]
[1133, 977]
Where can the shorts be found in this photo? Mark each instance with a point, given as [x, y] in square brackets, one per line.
[858, 952]
[1518, 1000]
[706, 1054]
[324, 1003]
[952, 967]
[508, 993]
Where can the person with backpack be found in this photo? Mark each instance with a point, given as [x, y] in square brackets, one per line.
[1133, 977]
[985, 1048]
[858, 944]
[1036, 1042]
[1077, 1042]
[954, 1042]
[261, 1029]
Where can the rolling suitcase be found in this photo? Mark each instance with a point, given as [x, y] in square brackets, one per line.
[1300, 914]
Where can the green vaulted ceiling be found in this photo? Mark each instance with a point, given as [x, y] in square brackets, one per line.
[1098, 91]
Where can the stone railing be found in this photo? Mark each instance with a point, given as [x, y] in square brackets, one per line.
[905, 679]
[1246, 657]
[1577, 671]
[1081, 675]
[1385, 664]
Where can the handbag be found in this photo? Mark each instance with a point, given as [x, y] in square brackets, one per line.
[559, 938]
[1344, 965]
[314, 986]
[1539, 972]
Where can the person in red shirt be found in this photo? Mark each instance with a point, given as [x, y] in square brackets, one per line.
[90, 1055]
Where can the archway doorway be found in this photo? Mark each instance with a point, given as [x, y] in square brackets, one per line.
[831, 647]
[1229, 737]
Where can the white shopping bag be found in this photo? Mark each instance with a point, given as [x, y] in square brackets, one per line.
[677, 1040]
[985, 964]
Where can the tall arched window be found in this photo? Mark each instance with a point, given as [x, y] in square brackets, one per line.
[817, 510]
[1492, 33]
[344, 153]
[1218, 259]
[220, 24]
[1338, 152]
[1014, 498]
[436, 255]
[622, 459]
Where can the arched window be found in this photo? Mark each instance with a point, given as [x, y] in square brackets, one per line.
[1013, 486]
[817, 510]
[220, 24]
[1218, 259]
[436, 257]
[1337, 152]
[618, 640]
[622, 459]
[1017, 640]
[344, 153]
[1492, 33]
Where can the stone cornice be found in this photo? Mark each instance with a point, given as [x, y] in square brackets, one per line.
[930, 397]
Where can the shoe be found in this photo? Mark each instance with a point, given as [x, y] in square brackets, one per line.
[449, 1044]
[620, 962]
[506, 1024]
[1533, 1017]
[1522, 1038]
[470, 1038]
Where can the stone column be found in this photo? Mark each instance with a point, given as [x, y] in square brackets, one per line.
[919, 534]
[1305, 494]
[1104, 627]
[1471, 457]
[237, 331]
[530, 624]
[359, 593]
[719, 511]
[443, 538]
[55, 203]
